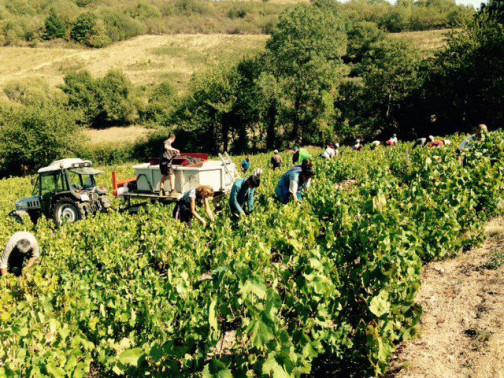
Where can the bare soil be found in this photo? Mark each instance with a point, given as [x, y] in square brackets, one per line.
[462, 327]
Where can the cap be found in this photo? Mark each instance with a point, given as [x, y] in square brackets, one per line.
[275, 152]
[296, 148]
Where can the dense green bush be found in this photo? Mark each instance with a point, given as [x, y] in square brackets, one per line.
[103, 101]
[55, 27]
[35, 135]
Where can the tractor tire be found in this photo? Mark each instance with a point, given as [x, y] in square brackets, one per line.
[17, 218]
[67, 210]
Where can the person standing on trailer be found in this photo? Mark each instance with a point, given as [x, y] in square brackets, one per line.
[185, 209]
[245, 165]
[165, 165]
[294, 182]
[21, 246]
[276, 160]
[241, 199]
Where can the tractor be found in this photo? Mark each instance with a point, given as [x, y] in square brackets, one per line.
[64, 191]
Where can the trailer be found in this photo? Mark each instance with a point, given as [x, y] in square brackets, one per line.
[190, 170]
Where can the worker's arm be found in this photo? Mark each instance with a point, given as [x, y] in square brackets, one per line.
[5, 259]
[35, 255]
[195, 213]
[31, 262]
[208, 210]
[293, 188]
[168, 147]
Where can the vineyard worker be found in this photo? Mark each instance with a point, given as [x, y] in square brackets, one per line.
[375, 144]
[185, 209]
[300, 155]
[276, 160]
[242, 195]
[357, 145]
[392, 141]
[245, 165]
[329, 152]
[21, 246]
[479, 135]
[421, 142]
[165, 165]
[293, 182]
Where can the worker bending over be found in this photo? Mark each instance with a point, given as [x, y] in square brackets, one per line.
[329, 152]
[292, 183]
[421, 142]
[185, 209]
[245, 165]
[300, 155]
[20, 247]
[276, 160]
[392, 141]
[241, 199]
[165, 165]
[478, 135]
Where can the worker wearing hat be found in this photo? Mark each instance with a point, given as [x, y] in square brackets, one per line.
[294, 182]
[241, 199]
[276, 160]
[20, 247]
[300, 155]
[392, 141]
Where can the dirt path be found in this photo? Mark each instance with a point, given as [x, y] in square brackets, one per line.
[462, 328]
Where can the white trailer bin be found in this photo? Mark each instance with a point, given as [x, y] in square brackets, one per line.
[213, 173]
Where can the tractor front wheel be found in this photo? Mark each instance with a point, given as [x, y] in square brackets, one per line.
[67, 211]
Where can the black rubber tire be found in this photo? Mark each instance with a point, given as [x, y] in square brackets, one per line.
[66, 210]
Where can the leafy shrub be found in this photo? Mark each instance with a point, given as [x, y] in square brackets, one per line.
[55, 27]
[83, 28]
[32, 136]
[104, 101]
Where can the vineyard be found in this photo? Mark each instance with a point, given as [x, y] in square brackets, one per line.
[329, 283]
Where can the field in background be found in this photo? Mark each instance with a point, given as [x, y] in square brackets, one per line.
[427, 41]
[146, 60]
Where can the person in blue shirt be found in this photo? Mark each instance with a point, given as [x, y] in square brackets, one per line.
[241, 200]
[294, 182]
[245, 165]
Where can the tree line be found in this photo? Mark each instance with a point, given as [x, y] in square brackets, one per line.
[97, 23]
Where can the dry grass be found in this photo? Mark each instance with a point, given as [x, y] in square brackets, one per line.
[427, 41]
[146, 59]
[117, 135]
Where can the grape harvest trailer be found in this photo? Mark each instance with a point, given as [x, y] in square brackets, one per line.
[190, 169]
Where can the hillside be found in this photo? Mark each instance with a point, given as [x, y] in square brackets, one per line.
[146, 59]
[151, 58]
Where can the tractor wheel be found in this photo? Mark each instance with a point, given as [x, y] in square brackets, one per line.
[67, 211]
[17, 218]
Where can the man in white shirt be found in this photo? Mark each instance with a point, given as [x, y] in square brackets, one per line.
[481, 130]
[21, 246]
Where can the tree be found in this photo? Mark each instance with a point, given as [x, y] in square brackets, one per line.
[465, 82]
[83, 28]
[304, 55]
[390, 74]
[33, 136]
[205, 118]
[103, 102]
[55, 27]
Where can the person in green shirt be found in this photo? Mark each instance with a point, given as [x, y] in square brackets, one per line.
[300, 155]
